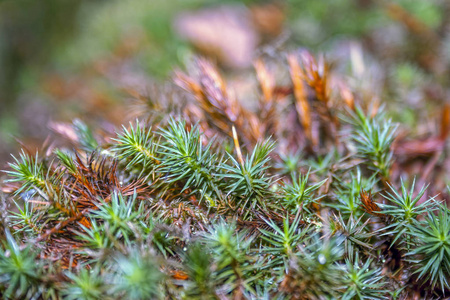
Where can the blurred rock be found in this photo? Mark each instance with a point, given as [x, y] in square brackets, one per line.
[225, 33]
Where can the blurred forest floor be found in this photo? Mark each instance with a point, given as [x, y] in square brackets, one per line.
[61, 60]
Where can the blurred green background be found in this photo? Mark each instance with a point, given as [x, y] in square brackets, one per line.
[62, 59]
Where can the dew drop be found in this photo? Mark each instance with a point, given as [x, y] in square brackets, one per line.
[322, 260]
[26, 196]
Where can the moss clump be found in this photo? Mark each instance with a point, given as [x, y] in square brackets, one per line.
[299, 197]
